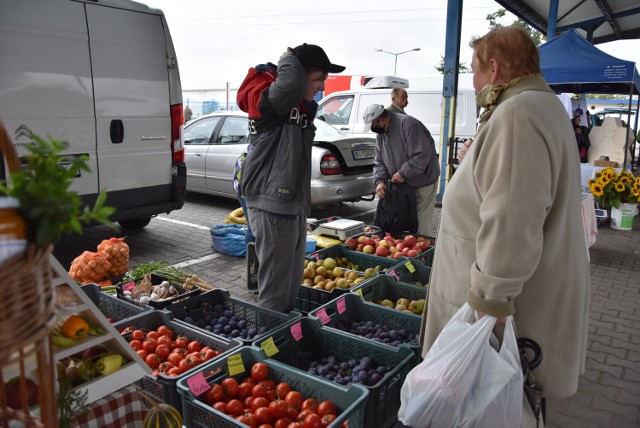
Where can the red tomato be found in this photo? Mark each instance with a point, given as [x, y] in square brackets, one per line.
[143, 354]
[265, 426]
[282, 423]
[152, 335]
[327, 419]
[294, 399]
[214, 394]
[149, 345]
[195, 360]
[162, 351]
[165, 340]
[174, 358]
[259, 391]
[209, 354]
[181, 342]
[235, 407]
[174, 371]
[248, 402]
[263, 415]
[303, 414]
[278, 408]
[194, 346]
[182, 351]
[220, 406]
[135, 344]
[312, 421]
[186, 364]
[295, 425]
[282, 390]
[259, 371]
[248, 419]
[325, 407]
[138, 335]
[244, 390]
[310, 404]
[163, 330]
[165, 367]
[345, 424]
[230, 387]
[259, 402]
[292, 413]
[152, 361]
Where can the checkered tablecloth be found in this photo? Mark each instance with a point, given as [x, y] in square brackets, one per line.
[122, 409]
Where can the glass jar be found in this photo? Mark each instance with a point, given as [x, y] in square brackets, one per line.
[13, 229]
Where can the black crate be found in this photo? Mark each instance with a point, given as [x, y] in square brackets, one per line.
[194, 310]
[156, 280]
[111, 307]
[384, 395]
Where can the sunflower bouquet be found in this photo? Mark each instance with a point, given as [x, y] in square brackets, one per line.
[612, 189]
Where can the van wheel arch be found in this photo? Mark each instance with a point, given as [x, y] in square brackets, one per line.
[135, 223]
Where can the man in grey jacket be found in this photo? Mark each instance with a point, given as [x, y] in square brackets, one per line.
[405, 153]
[276, 174]
[399, 100]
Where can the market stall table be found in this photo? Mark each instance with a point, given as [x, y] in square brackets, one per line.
[124, 408]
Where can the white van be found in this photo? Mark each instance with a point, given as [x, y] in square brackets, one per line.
[344, 109]
[102, 75]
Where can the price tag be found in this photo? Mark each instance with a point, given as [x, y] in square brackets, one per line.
[198, 384]
[393, 273]
[342, 305]
[359, 291]
[410, 266]
[235, 364]
[324, 318]
[269, 347]
[296, 331]
[316, 256]
[128, 286]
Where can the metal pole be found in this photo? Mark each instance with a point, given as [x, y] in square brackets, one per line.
[395, 65]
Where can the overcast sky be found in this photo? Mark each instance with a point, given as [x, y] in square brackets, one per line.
[216, 42]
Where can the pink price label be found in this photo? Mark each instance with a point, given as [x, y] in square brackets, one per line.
[198, 384]
[393, 273]
[296, 331]
[317, 257]
[324, 318]
[342, 305]
[128, 286]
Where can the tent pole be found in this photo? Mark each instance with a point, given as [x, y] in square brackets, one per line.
[626, 140]
[636, 133]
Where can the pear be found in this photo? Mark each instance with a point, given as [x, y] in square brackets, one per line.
[387, 302]
[369, 273]
[329, 263]
[338, 272]
[403, 301]
[342, 283]
[416, 306]
[401, 308]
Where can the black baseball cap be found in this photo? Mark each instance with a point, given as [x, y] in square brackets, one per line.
[313, 56]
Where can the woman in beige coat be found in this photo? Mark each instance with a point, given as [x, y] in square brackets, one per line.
[510, 238]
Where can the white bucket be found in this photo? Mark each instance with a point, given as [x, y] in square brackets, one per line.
[622, 218]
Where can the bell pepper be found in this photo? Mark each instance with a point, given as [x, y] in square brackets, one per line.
[108, 364]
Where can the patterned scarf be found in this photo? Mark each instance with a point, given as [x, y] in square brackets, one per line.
[487, 98]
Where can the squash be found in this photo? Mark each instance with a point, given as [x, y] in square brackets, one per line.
[162, 416]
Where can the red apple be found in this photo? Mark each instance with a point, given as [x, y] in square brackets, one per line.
[404, 252]
[412, 253]
[417, 249]
[397, 255]
[400, 246]
[368, 249]
[14, 399]
[393, 250]
[390, 240]
[421, 238]
[383, 244]
[369, 241]
[351, 242]
[361, 239]
[410, 241]
[398, 241]
[359, 247]
[382, 251]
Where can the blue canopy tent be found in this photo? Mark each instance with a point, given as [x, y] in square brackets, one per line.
[572, 64]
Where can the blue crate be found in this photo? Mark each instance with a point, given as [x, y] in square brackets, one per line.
[384, 396]
[198, 414]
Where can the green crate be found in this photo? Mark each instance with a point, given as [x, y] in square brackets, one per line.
[112, 307]
[162, 388]
[416, 271]
[384, 396]
[351, 307]
[361, 259]
[309, 298]
[194, 311]
[350, 401]
[385, 287]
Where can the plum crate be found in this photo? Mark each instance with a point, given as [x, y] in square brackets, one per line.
[361, 259]
[309, 298]
[385, 287]
[183, 293]
[383, 404]
[352, 308]
[411, 271]
[111, 307]
[198, 414]
[163, 388]
[195, 311]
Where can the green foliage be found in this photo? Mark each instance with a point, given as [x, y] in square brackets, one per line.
[462, 67]
[494, 22]
[47, 205]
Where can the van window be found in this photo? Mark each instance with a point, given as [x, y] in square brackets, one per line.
[336, 111]
[200, 132]
[234, 131]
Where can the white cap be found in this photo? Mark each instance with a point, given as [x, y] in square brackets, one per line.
[372, 113]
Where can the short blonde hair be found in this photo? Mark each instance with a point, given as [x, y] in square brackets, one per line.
[512, 47]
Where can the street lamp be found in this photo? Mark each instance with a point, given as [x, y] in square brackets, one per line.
[395, 65]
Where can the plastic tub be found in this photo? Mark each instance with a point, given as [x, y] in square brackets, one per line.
[112, 308]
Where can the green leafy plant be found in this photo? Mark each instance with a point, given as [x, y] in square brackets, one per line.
[46, 203]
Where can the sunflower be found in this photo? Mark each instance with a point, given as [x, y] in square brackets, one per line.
[596, 189]
[619, 187]
[603, 181]
[624, 179]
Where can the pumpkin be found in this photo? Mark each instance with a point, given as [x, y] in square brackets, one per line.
[162, 416]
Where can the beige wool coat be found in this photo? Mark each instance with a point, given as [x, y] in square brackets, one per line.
[511, 239]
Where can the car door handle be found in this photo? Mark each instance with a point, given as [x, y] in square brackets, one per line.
[344, 129]
[197, 154]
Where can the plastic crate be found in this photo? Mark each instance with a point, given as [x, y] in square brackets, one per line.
[197, 414]
[111, 307]
[200, 306]
[309, 299]
[352, 307]
[155, 280]
[361, 259]
[413, 271]
[162, 388]
[385, 287]
[384, 396]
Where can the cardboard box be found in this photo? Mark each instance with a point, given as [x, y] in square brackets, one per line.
[605, 163]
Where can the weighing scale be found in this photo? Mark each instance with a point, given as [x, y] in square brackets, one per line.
[340, 228]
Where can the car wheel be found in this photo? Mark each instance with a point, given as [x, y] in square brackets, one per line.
[135, 223]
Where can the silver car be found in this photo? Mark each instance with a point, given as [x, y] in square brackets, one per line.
[341, 166]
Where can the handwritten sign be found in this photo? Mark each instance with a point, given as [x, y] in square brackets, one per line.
[410, 266]
[342, 305]
[324, 318]
[296, 331]
[235, 364]
[269, 347]
[128, 286]
[198, 384]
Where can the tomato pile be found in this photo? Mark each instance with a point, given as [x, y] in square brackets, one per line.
[165, 353]
[260, 402]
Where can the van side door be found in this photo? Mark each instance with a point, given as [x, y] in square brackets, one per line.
[338, 111]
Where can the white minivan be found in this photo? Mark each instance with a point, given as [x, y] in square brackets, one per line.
[102, 75]
[344, 109]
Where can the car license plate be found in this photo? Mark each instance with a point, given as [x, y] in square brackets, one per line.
[362, 154]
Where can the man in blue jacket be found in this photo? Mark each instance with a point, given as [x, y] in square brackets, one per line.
[276, 174]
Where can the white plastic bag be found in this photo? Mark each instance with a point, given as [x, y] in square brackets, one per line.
[463, 381]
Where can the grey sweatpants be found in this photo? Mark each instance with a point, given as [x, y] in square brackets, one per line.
[425, 202]
[280, 247]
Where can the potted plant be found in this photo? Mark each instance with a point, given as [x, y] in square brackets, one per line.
[620, 191]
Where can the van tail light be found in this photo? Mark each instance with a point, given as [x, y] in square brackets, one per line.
[177, 125]
[329, 165]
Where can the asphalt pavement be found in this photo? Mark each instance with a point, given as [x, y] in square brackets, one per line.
[609, 391]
